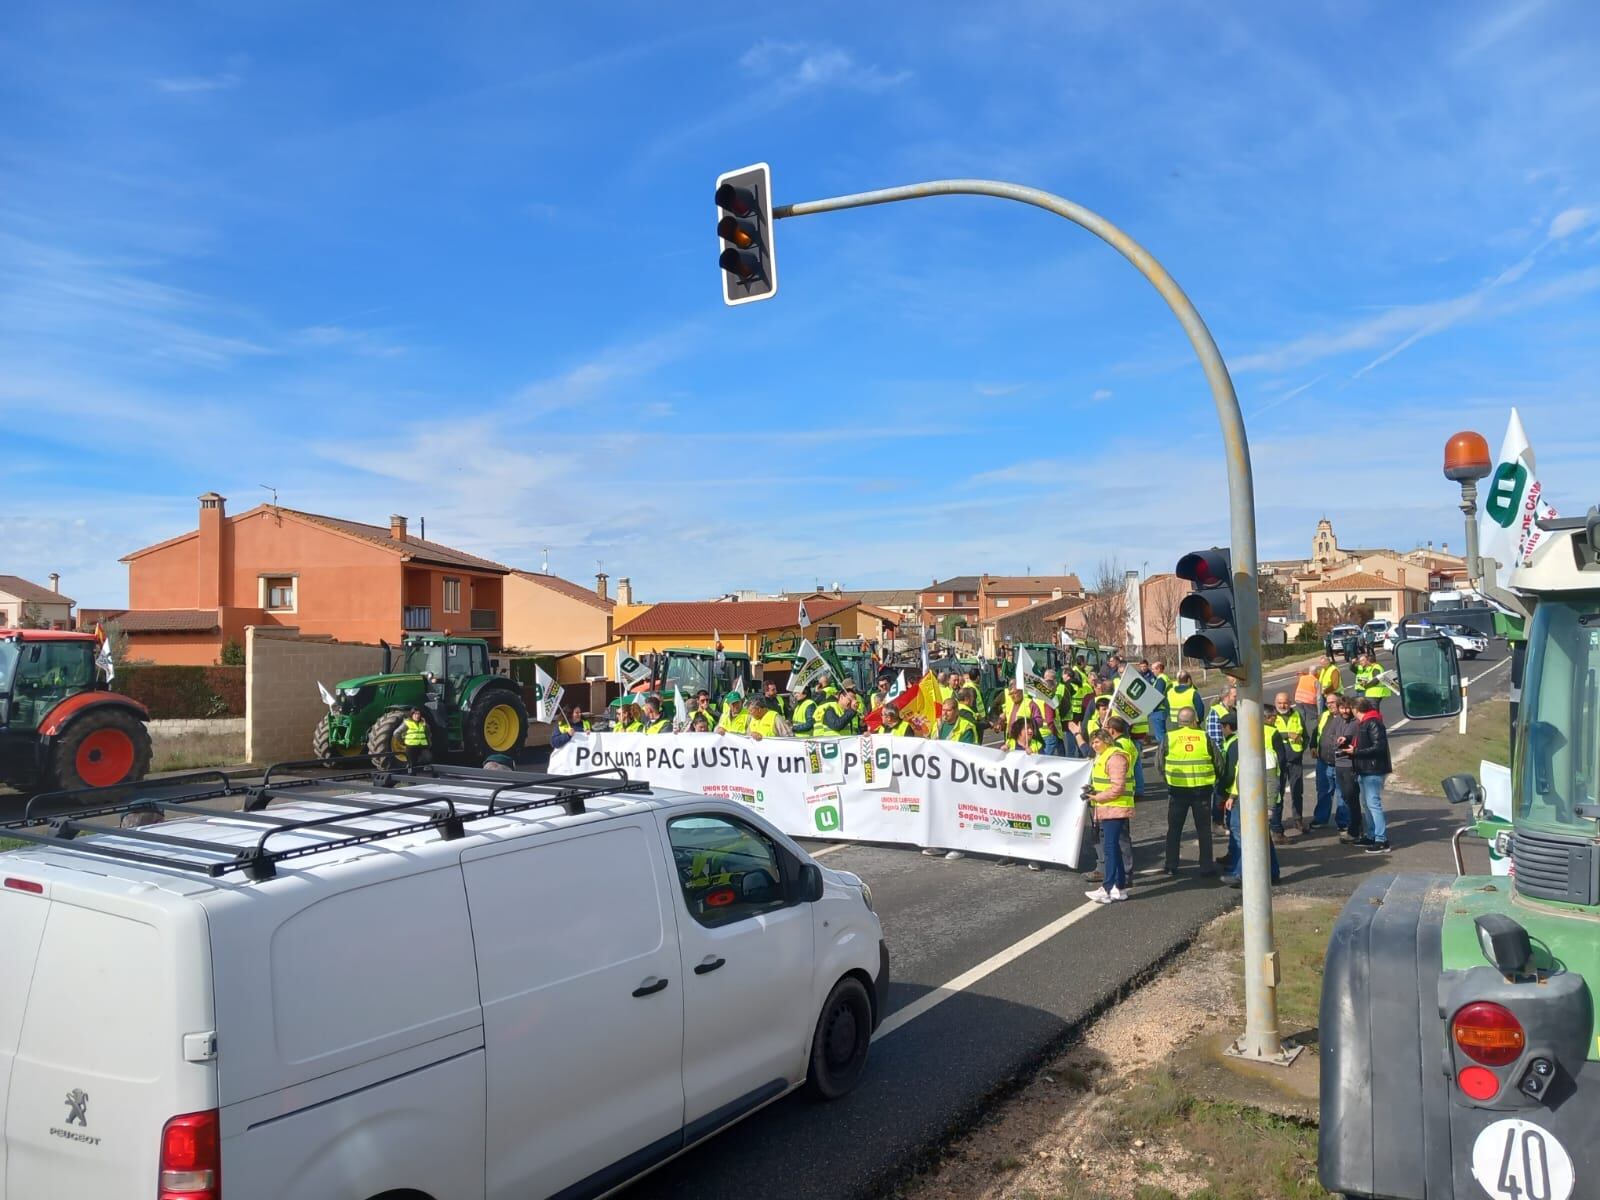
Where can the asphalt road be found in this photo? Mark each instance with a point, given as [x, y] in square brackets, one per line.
[946, 922]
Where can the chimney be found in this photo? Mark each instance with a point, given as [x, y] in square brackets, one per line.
[55, 582]
[1055, 593]
[397, 527]
[208, 561]
[624, 590]
[600, 584]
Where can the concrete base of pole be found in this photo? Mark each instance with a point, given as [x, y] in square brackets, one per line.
[1286, 1054]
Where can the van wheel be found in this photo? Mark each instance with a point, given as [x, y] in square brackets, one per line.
[839, 1046]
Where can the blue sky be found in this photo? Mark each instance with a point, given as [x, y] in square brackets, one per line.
[458, 262]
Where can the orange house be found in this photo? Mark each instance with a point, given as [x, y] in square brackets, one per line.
[354, 582]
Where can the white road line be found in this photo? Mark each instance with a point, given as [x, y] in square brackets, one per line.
[833, 849]
[1404, 721]
[931, 1000]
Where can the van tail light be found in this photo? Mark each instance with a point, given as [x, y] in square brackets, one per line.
[26, 885]
[1488, 1033]
[191, 1158]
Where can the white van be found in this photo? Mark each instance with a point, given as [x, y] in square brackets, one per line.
[475, 984]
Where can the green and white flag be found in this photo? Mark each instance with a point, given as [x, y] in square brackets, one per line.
[547, 696]
[1513, 504]
[1136, 697]
[899, 686]
[809, 665]
[630, 671]
[1029, 680]
[680, 710]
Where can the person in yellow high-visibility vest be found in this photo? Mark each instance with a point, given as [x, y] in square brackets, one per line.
[417, 739]
[1110, 792]
[1328, 680]
[1229, 781]
[764, 722]
[1189, 766]
[1369, 676]
[734, 719]
[1289, 724]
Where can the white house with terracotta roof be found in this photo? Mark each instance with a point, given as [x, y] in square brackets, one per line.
[23, 602]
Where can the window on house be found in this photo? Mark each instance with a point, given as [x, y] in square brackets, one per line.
[1379, 603]
[277, 593]
[1033, 601]
[594, 666]
[1002, 603]
[938, 599]
[452, 595]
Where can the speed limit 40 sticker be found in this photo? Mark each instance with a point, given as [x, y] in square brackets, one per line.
[1518, 1160]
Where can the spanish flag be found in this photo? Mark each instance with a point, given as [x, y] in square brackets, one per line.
[919, 704]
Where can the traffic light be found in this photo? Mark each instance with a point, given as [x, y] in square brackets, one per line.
[1210, 606]
[744, 228]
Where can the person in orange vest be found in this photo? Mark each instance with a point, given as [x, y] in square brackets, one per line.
[1308, 696]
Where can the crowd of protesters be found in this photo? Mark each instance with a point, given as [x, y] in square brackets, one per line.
[1193, 746]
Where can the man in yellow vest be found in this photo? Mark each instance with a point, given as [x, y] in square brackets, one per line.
[894, 725]
[955, 725]
[734, 719]
[805, 710]
[1290, 726]
[764, 722]
[654, 722]
[1328, 680]
[1189, 766]
[1369, 677]
[1228, 780]
[417, 739]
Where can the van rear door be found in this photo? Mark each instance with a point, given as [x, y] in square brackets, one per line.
[118, 980]
[22, 915]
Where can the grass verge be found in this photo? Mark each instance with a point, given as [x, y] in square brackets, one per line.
[191, 751]
[1301, 930]
[1447, 752]
[11, 844]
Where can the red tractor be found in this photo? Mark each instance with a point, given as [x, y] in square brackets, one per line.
[58, 727]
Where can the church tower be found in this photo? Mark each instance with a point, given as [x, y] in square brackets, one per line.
[1324, 546]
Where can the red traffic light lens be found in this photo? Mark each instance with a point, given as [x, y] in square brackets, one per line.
[1205, 568]
[741, 202]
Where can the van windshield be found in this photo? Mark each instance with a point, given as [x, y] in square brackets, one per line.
[1558, 750]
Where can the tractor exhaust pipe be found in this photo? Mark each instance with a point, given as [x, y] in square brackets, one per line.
[388, 656]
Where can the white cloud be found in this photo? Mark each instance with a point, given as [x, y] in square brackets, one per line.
[806, 65]
[358, 341]
[1570, 221]
[1101, 395]
[189, 85]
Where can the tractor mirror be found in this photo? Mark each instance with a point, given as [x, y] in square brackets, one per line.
[1459, 789]
[1430, 677]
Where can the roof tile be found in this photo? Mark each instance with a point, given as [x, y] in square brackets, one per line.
[573, 591]
[742, 616]
[31, 593]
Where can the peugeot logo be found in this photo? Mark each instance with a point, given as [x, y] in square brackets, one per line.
[78, 1107]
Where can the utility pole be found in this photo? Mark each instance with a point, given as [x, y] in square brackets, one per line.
[1260, 1041]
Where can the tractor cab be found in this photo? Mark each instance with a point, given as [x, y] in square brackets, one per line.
[38, 674]
[693, 669]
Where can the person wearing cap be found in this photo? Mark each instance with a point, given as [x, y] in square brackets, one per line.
[734, 719]
[654, 722]
[764, 722]
[1229, 777]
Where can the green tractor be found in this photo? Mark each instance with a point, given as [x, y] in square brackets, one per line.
[693, 669]
[471, 713]
[847, 659]
[1460, 1024]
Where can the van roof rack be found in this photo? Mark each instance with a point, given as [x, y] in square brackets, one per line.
[476, 795]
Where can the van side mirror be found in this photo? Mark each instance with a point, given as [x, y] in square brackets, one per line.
[810, 882]
[1430, 677]
[1459, 789]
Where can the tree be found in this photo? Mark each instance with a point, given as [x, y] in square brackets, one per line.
[31, 617]
[1275, 595]
[1105, 616]
[1308, 632]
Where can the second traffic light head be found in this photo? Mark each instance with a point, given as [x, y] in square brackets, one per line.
[1206, 568]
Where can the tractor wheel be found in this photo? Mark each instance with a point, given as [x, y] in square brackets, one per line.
[103, 747]
[383, 741]
[321, 747]
[497, 723]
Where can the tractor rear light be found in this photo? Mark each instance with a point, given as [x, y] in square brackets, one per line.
[191, 1158]
[1488, 1033]
[1479, 1083]
[25, 885]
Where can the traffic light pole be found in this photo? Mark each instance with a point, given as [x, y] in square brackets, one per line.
[1260, 1042]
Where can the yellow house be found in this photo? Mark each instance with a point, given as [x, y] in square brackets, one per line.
[741, 624]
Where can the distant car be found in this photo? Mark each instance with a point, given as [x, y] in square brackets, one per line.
[1375, 631]
[1469, 642]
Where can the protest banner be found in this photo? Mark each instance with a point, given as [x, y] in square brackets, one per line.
[945, 794]
[1135, 698]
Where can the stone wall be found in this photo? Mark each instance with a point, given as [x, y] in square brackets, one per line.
[282, 703]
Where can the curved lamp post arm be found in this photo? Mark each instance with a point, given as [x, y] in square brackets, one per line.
[1260, 1040]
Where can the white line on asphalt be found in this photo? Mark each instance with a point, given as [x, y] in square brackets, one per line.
[1404, 721]
[987, 967]
[833, 849]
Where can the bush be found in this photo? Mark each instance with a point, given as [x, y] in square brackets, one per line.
[1308, 633]
[232, 653]
[173, 692]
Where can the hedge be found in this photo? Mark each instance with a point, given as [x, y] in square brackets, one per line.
[1289, 650]
[171, 692]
